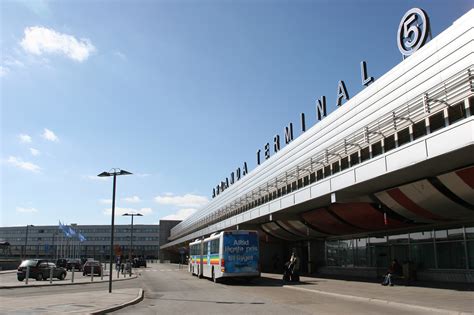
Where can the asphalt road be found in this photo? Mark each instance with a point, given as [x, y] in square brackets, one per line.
[169, 290]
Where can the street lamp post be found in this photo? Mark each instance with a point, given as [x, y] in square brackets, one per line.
[131, 233]
[26, 239]
[113, 172]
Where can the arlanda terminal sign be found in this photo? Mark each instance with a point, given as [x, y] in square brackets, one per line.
[412, 34]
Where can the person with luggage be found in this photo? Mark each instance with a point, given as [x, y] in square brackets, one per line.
[292, 267]
[394, 270]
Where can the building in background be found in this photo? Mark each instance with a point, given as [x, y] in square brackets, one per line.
[49, 241]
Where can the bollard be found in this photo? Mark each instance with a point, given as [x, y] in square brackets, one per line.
[27, 274]
[72, 275]
[92, 273]
[118, 274]
[51, 274]
[102, 272]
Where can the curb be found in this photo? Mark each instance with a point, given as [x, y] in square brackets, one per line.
[62, 284]
[380, 301]
[139, 298]
[7, 271]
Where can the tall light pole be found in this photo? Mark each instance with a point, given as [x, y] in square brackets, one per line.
[113, 172]
[26, 239]
[131, 233]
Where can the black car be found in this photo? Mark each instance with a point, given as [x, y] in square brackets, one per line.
[74, 264]
[61, 262]
[39, 270]
[139, 262]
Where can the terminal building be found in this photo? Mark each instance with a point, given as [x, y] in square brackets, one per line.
[388, 175]
[49, 241]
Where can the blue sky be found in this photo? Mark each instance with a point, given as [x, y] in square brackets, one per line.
[180, 93]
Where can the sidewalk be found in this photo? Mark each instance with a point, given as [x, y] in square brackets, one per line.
[8, 280]
[421, 298]
[93, 302]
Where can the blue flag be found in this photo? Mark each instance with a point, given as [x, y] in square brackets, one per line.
[72, 232]
[81, 238]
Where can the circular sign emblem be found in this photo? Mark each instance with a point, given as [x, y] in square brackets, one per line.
[413, 31]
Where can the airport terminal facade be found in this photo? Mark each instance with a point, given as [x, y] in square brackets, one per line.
[49, 242]
[390, 174]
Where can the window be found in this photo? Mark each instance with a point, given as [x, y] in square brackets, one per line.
[327, 171]
[312, 177]
[451, 255]
[471, 105]
[419, 129]
[354, 158]
[389, 143]
[436, 121]
[306, 180]
[403, 136]
[377, 148]
[215, 246]
[364, 154]
[456, 112]
[319, 174]
[344, 163]
[335, 167]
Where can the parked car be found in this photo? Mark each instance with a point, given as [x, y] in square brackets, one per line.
[74, 263]
[39, 270]
[61, 262]
[87, 268]
[139, 262]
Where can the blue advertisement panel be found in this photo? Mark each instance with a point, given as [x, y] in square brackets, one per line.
[241, 253]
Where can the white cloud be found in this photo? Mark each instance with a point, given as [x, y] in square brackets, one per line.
[122, 211]
[24, 138]
[120, 54]
[17, 162]
[40, 40]
[49, 135]
[34, 152]
[12, 62]
[134, 199]
[187, 200]
[3, 71]
[106, 201]
[181, 214]
[26, 210]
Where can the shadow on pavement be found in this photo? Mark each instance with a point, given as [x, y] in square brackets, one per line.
[421, 284]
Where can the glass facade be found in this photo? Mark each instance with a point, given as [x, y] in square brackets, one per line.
[432, 249]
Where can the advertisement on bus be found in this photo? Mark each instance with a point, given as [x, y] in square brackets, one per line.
[241, 252]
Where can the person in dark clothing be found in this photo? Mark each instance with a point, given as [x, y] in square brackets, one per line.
[395, 269]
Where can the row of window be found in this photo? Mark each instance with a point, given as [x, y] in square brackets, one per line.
[416, 130]
[50, 240]
[32, 231]
[440, 249]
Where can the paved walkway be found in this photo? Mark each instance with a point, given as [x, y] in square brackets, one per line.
[454, 301]
[89, 302]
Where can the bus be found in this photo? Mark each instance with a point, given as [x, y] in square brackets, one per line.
[225, 254]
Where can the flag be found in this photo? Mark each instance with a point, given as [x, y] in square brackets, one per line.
[66, 231]
[81, 238]
[61, 226]
[72, 232]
